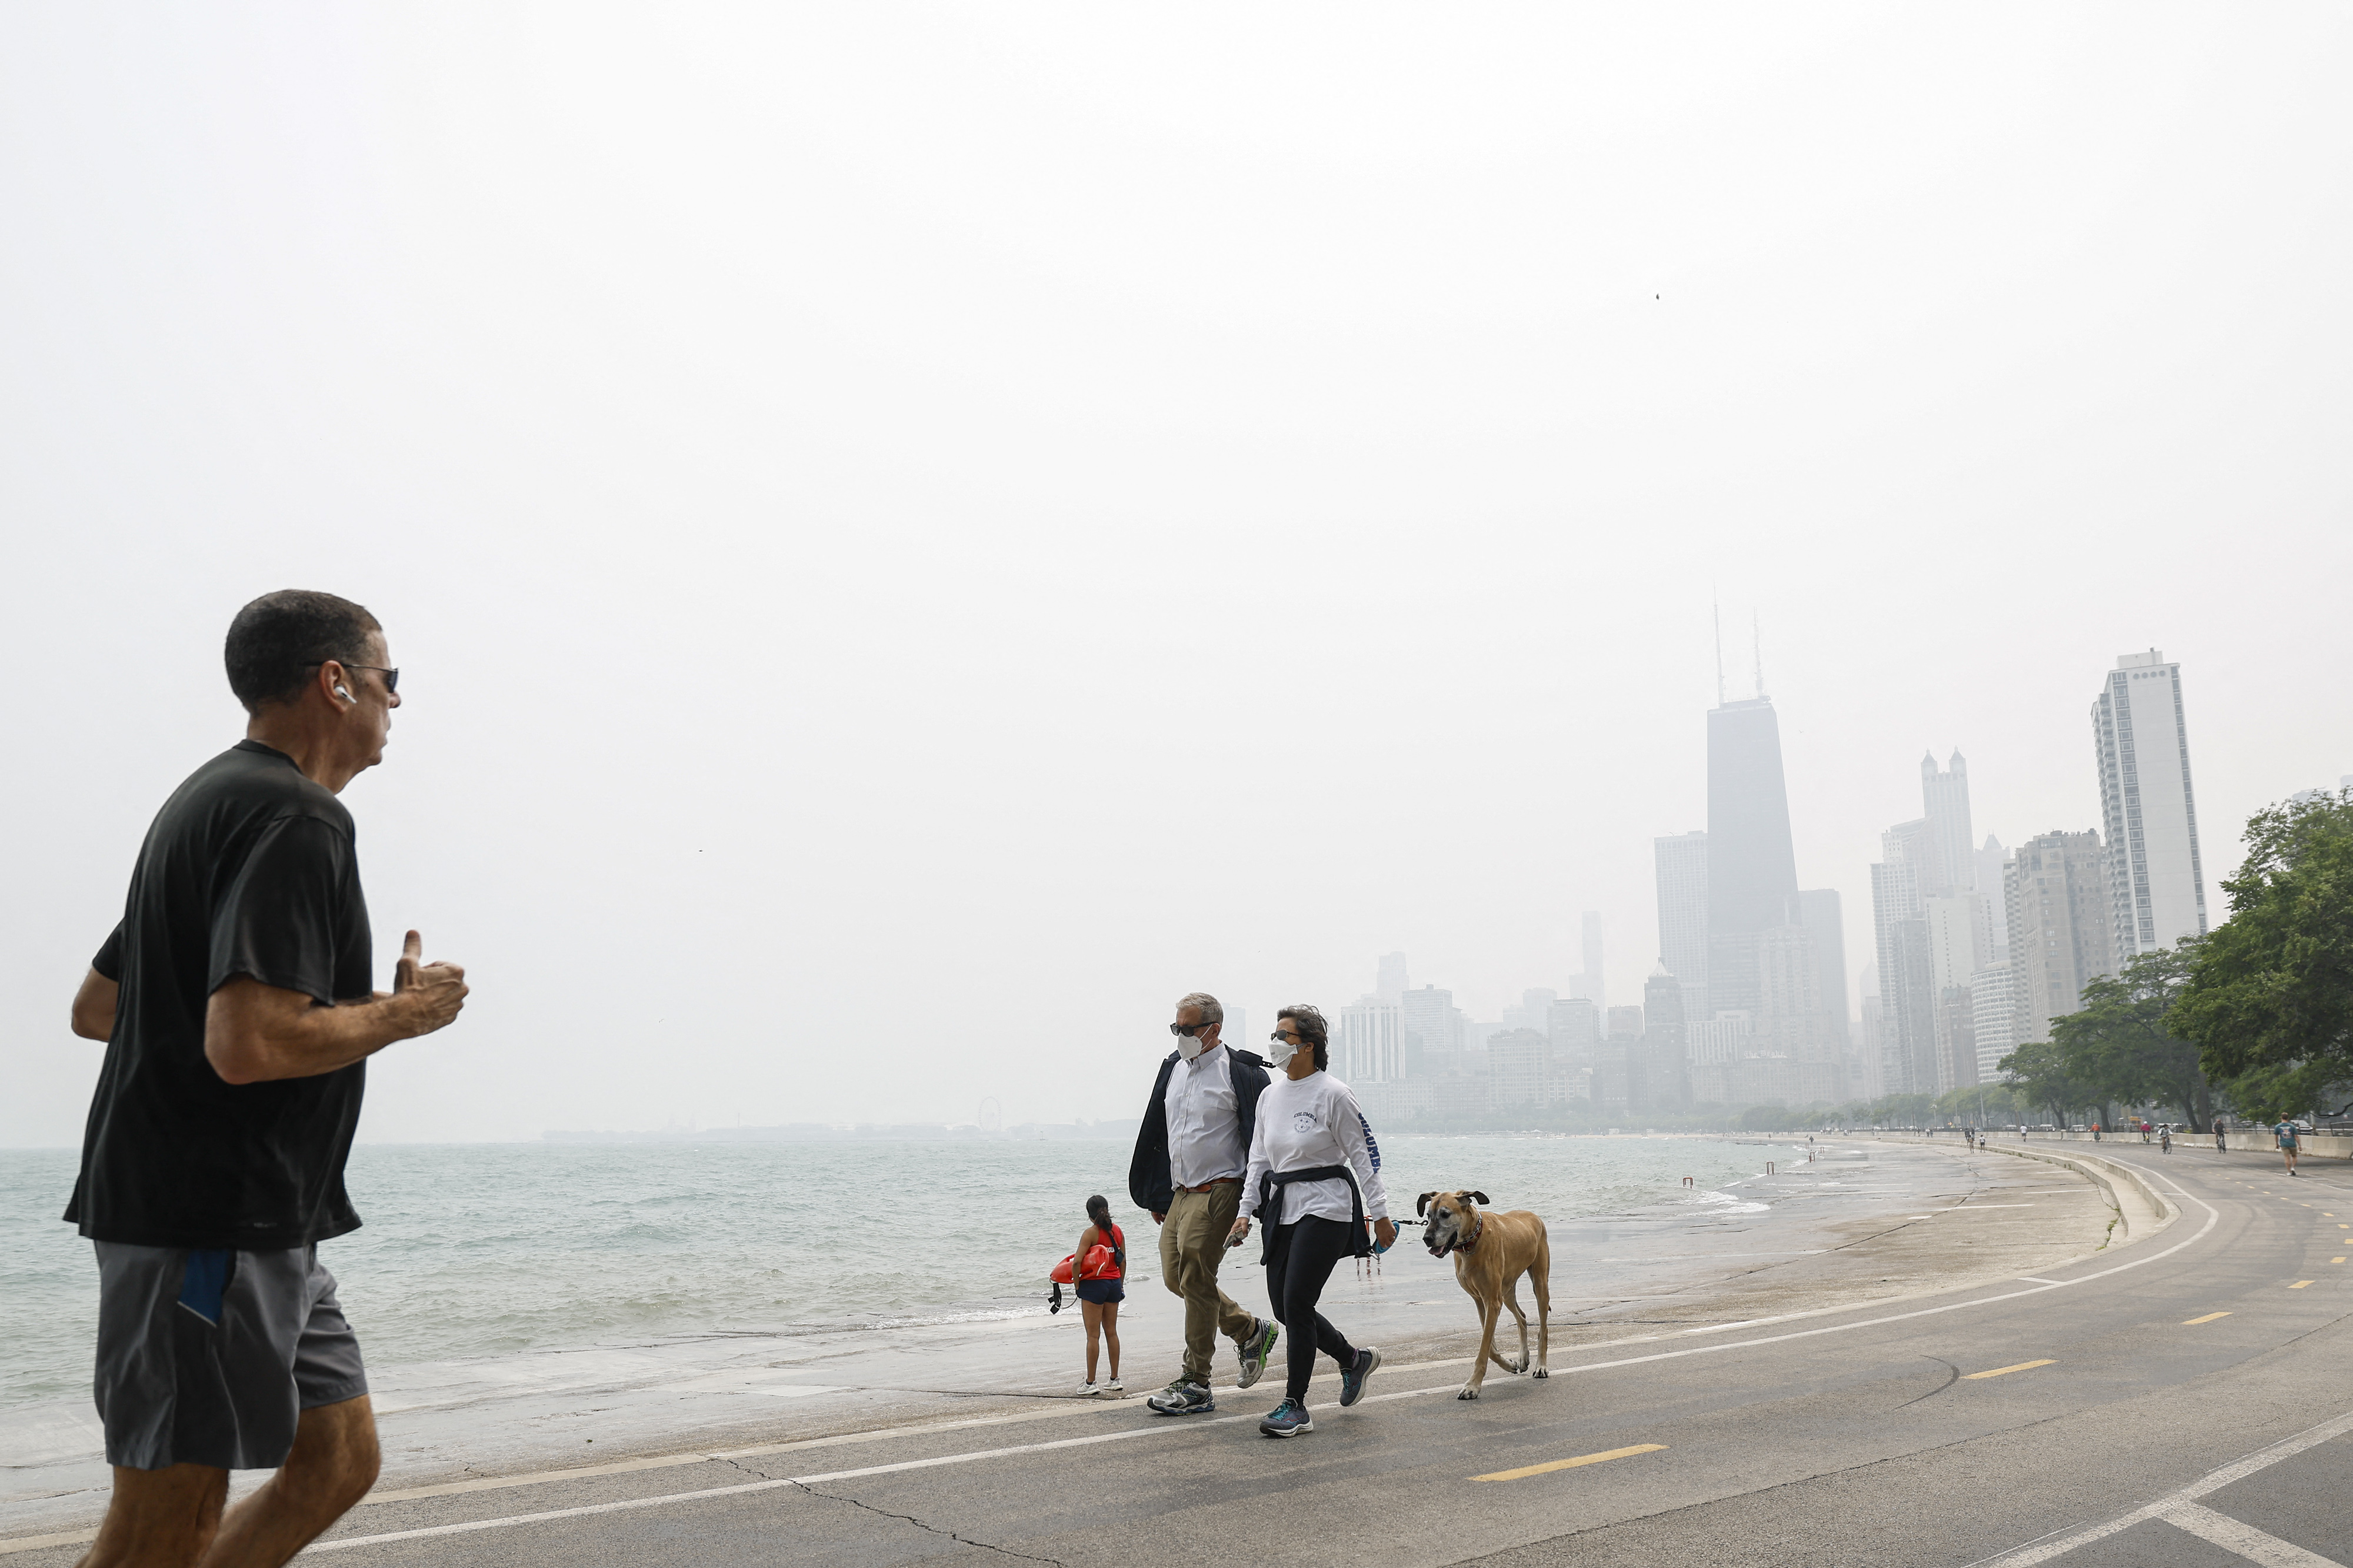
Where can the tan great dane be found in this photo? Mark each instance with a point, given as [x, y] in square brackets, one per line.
[1490, 1250]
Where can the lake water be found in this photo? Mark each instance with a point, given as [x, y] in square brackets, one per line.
[487, 1249]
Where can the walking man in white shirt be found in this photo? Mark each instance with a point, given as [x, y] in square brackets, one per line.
[1187, 1174]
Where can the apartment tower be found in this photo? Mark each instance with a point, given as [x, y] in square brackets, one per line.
[2156, 880]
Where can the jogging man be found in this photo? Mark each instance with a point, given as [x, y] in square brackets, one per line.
[1187, 1175]
[234, 1001]
[2285, 1133]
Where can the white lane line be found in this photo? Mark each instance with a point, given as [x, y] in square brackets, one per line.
[2239, 1536]
[1177, 1423]
[772, 1484]
[351, 1541]
[2238, 1470]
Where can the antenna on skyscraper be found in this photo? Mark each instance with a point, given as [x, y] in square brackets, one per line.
[1757, 631]
[1716, 609]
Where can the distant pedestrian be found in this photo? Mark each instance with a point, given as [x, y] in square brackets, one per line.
[2285, 1133]
[1102, 1286]
[237, 1004]
[1190, 1153]
[1312, 1177]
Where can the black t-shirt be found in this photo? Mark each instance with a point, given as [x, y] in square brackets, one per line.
[248, 869]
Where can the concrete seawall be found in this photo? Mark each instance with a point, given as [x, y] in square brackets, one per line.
[2141, 1209]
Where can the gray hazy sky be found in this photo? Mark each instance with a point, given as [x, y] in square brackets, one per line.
[916, 535]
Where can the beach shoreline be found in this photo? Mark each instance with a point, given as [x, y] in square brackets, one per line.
[1863, 1222]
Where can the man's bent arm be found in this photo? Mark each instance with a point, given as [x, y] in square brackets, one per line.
[93, 1007]
[255, 1032]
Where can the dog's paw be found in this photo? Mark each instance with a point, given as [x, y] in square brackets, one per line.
[1519, 1367]
[1543, 1372]
[1469, 1391]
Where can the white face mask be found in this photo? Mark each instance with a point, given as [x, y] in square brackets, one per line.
[1190, 1046]
[1280, 1050]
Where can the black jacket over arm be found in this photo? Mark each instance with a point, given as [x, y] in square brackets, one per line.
[1149, 1185]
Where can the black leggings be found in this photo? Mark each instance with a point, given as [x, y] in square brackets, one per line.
[1300, 1258]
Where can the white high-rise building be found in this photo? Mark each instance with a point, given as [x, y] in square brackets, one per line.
[1945, 798]
[1588, 981]
[1426, 1016]
[1682, 860]
[1994, 998]
[1717, 1048]
[2156, 878]
[1990, 857]
[1956, 932]
[1368, 1043]
[1573, 1024]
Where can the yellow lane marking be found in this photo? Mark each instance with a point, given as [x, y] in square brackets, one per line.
[2299, 1284]
[2337, 1261]
[2209, 1318]
[2021, 1366]
[1526, 1470]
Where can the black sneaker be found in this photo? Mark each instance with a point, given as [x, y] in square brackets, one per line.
[1181, 1399]
[1254, 1350]
[1352, 1382]
[1287, 1419]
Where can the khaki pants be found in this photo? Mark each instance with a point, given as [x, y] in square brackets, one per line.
[1192, 1245]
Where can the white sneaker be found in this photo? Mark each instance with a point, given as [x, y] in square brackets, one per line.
[1087, 1390]
[1115, 1386]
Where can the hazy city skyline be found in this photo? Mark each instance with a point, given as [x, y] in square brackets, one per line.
[914, 547]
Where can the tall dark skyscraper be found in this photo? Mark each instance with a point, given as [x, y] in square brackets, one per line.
[1752, 867]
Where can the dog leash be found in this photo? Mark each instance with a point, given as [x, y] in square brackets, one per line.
[1370, 1268]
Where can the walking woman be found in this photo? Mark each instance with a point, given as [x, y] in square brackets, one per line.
[1101, 1290]
[1311, 1180]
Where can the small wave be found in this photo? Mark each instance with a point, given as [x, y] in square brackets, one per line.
[1731, 1203]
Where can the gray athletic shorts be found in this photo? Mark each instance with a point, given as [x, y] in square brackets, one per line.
[208, 1357]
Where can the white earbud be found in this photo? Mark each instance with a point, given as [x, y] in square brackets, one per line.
[344, 694]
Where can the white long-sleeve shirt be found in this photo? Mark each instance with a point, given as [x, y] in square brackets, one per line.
[1205, 1120]
[1304, 1123]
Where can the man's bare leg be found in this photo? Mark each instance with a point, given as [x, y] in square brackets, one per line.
[159, 1518]
[334, 1463]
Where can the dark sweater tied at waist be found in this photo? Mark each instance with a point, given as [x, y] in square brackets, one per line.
[1269, 1206]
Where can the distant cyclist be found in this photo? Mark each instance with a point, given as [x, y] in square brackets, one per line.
[2285, 1133]
[2165, 1139]
[2222, 1146]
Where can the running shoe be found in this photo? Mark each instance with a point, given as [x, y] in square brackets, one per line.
[1087, 1391]
[1287, 1419]
[1114, 1387]
[1352, 1382]
[1255, 1350]
[1182, 1398]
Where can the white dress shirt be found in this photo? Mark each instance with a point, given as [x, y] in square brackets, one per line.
[1205, 1123]
[1301, 1125]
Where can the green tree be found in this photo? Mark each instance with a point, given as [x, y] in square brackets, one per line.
[2118, 1044]
[1980, 1105]
[2270, 998]
[2041, 1073]
[2273, 1094]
